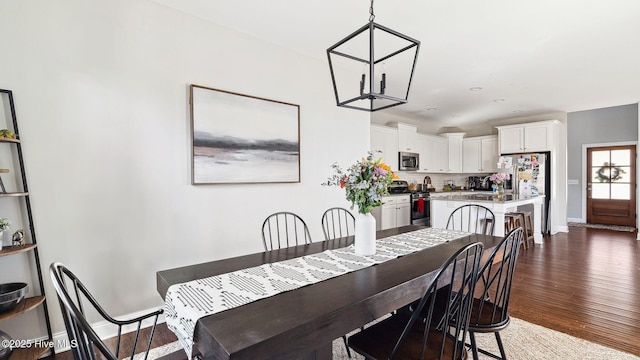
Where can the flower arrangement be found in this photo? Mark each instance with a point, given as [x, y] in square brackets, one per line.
[365, 182]
[4, 224]
[499, 178]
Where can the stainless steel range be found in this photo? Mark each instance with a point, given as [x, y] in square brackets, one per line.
[420, 208]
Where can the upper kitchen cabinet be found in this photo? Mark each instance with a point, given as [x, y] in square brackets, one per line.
[480, 154]
[435, 155]
[454, 145]
[384, 144]
[530, 137]
[408, 139]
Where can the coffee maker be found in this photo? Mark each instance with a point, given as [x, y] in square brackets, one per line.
[474, 182]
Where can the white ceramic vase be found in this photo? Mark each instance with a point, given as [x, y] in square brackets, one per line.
[1, 238]
[365, 234]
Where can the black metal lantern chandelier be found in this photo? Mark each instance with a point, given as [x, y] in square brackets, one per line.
[376, 53]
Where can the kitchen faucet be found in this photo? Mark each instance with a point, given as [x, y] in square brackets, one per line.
[485, 181]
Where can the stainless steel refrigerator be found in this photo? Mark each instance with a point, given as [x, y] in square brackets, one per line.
[530, 176]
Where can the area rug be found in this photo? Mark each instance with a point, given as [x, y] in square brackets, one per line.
[606, 227]
[522, 341]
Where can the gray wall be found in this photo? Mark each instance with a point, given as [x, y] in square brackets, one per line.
[607, 125]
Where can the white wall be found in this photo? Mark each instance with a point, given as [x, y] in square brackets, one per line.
[101, 94]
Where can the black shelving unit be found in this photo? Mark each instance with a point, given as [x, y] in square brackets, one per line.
[30, 246]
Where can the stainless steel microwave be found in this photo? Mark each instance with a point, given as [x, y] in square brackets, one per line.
[408, 161]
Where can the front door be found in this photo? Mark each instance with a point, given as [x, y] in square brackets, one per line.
[611, 190]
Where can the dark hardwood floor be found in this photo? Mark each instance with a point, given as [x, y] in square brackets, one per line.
[584, 283]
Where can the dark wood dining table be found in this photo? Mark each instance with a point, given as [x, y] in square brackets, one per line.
[302, 323]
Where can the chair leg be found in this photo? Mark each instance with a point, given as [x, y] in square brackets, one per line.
[474, 347]
[499, 341]
[344, 338]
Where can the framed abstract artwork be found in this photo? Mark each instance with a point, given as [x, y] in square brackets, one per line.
[239, 138]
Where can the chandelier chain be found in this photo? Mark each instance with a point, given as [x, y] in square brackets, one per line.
[371, 15]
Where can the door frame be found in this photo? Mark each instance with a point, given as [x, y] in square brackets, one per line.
[585, 179]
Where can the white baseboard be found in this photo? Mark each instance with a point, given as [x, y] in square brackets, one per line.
[576, 220]
[106, 330]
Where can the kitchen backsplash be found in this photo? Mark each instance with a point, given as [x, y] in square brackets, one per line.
[438, 180]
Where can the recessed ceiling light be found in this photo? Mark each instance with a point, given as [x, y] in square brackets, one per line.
[518, 111]
[432, 109]
[498, 100]
[476, 88]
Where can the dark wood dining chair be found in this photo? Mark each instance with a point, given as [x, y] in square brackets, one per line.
[75, 298]
[490, 310]
[284, 229]
[406, 335]
[472, 218]
[337, 222]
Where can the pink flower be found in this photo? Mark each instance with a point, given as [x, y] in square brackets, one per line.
[499, 178]
[378, 171]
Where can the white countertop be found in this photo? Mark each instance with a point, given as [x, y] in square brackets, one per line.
[484, 197]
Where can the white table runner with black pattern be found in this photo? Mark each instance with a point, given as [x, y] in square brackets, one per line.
[187, 302]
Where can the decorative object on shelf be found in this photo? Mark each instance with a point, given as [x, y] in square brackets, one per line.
[230, 144]
[498, 180]
[7, 134]
[365, 182]
[11, 294]
[398, 58]
[2, 189]
[17, 238]
[4, 225]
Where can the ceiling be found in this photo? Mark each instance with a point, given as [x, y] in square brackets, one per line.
[529, 57]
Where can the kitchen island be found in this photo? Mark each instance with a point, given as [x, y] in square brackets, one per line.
[443, 206]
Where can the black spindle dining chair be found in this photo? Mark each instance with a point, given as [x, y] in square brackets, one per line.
[407, 335]
[472, 218]
[337, 222]
[75, 299]
[284, 229]
[490, 310]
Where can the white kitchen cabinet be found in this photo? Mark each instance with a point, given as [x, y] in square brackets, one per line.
[490, 154]
[537, 137]
[403, 213]
[454, 145]
[408, 138]
[425, 149]
[395, 212]
[511, 140]
[471, 155]
[440, 154]
[480, 154]
[436, 158]
[530, 137]
[384, 144]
